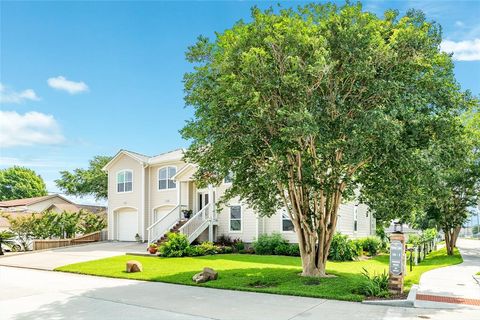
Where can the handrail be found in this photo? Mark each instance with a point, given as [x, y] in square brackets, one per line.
[162, 218]
[196, 222]
[162, 225]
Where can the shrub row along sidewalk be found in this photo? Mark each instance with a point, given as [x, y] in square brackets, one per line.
[268, 274]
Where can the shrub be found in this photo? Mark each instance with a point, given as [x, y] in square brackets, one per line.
[176, 246]
[266, 244]
[371, 245]
[375, 285]
[224, 240]
[294, 250]
[207, 248]
[238, 245]
[247, 251]
[342, 249]
[225, 249]
[282, 249]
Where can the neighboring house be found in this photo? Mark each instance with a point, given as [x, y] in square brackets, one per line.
[146, 196]
[54, 202]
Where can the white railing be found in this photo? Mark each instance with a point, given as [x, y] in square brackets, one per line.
[196, 224]
[164, 224]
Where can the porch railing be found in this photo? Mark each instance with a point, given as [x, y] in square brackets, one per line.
[162, 225]
[197, 224]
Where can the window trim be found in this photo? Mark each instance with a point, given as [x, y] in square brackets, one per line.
[228, 183]
[230, 218]
[281, 223]
[355, 218]
[158, 178]
[116, 178]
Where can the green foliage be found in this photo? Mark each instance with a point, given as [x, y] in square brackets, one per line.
[23, 227]
[414, 239]
[83, 182]
[19, 182]
[372, 245]
[6, 237]
[207, 248]
[375, 285]
[176, 246]
[267, 244]
[91, 222]
[343, 249]
[309, 104]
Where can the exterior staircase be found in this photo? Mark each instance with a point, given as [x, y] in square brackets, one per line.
[174, 229]
[174, 222]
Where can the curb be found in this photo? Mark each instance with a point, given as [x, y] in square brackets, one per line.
[407, 303]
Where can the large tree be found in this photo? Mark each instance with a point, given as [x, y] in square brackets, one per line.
[90, 181]
[19, 182]
[300, 105]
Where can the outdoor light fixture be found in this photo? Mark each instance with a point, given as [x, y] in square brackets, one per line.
[397, 227]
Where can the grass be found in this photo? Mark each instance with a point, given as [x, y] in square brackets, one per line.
[268, 274]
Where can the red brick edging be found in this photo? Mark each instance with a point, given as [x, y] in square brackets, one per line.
[428, 297]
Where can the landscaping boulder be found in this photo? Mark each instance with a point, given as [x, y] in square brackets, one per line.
[134, 266]
[206, 275]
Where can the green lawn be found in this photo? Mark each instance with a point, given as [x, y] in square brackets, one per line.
[269, 274]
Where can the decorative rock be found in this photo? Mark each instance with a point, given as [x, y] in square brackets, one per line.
[206, 275]
[134, 266]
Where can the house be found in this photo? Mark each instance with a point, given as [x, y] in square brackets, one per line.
[53, 202]
[147, 195]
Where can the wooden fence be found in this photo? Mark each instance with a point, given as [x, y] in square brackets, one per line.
[58, 243]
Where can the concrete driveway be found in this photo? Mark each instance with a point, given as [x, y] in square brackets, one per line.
[51, 259]
[27, 294]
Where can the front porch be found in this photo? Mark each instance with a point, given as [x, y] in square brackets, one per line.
[194, 212]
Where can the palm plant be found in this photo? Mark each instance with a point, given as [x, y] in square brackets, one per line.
[6, 237]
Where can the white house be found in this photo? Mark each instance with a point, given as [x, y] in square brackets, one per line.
[146, 196]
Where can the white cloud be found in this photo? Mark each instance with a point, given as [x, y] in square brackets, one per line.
[459, 24]
[8, 95]
[468, 50]
[62, 83]
[27, 129]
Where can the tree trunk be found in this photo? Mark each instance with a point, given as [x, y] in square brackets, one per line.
[1, 250]
[451, 236]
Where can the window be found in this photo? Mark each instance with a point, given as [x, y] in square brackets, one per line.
[165, 180]
[355, 218]
[235, 218]
[124, 181]
[228, 178]
[287, 224]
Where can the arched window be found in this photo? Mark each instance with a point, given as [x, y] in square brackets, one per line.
[165, 180]
[125, 181]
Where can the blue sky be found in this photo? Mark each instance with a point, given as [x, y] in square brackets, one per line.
[80, 79]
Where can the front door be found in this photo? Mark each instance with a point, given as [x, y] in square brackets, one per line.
[202, 200]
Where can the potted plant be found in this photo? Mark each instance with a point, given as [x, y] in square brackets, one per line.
[187, 213]
[152, 248]
[138, 238]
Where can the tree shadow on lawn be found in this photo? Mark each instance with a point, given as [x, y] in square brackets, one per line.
[252, 258]
[285, 281]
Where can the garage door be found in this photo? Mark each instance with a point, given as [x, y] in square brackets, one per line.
[127, 225]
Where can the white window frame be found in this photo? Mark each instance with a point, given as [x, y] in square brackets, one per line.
[224, 179]
[116, 178]
[230, 219]
[281, 223]
[158, 178]
[355, 218]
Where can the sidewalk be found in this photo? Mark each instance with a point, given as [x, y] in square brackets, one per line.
[454, 286]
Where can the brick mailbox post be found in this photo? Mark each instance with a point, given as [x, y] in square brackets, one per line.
[397, 262]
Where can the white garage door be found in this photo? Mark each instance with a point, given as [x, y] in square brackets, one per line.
[127, 225]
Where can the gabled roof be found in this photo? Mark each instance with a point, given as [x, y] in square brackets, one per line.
[173, 155]
[65, 207]
[143, 159]
[29, 201]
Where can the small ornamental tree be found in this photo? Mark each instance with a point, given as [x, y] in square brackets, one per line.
[299, 105]
[19, 182]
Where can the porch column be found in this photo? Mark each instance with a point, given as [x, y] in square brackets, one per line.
[210, 213]
[179, 199]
